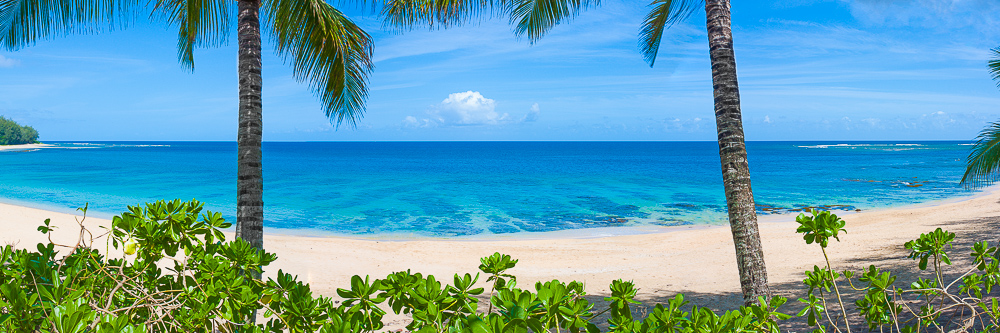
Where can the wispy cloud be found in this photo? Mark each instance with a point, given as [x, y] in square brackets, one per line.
[975, 14]
[532, 114]
[8, 62]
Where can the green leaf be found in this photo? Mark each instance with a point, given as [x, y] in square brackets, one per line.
[662, 15]
[325, 49]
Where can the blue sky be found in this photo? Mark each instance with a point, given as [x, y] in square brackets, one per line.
[808, 70]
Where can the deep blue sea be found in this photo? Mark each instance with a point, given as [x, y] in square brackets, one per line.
[447, 189]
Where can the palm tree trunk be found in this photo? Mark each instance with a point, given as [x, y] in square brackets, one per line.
[250, 182]
[733, 153]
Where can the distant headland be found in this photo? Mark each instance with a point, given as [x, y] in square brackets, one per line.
[12, 133]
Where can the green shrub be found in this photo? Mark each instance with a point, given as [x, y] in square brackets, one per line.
[179, 274]
[884, 307]
[13, 134]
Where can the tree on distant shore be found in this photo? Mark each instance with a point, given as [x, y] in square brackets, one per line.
[533, 18]
[12, 133]
[984, 159]
[325, 48]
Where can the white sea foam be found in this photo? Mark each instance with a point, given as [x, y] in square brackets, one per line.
[864, 145]
[827, 146]
[82, 145]
[139, 146]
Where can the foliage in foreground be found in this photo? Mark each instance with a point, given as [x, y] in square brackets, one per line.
[13, 134]
[179, 274]
[929, 304]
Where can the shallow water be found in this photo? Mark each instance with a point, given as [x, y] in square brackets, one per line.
[446, 189]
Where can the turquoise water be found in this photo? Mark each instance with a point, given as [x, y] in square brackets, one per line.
[446, 189]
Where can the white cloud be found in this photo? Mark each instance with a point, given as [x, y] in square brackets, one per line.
[8, 62]
[532, 114]
[412, 121]
[467, 108]
[682, 125]
[873, 122]
[767, 119]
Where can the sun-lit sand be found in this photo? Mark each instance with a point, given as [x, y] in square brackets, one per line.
[698, 261]
[25, 146]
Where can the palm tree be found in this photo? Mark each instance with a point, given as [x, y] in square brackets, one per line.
[533, 18]
[325, 48]
[729, 124]
[984, 160]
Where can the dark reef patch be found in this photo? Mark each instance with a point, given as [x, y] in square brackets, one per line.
[763, 208]
[671, 222]
[608, 207]
[689, 207]
[503, 228]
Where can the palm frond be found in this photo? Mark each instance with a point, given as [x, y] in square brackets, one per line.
[533, 18]
[984, 159]
[24, 22]
[326, 49]
[405, 14]
[994, 65]
[664, 14]
[203, 23]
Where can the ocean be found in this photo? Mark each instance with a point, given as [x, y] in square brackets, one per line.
[483, 189]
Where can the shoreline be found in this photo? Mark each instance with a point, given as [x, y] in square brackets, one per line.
[699, 262]
[582, 233]
[26, 147]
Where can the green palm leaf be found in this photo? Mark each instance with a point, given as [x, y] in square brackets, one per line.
[405, 14]
[530, 18]
[994, 65]
[203, 23]
[534, 18]
[664, 13]
[326, 49]
[24, 22]
[984, 159]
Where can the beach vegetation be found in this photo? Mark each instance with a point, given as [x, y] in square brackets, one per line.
[175, 271]
[178, 273]
[11, 133]
[929, 304]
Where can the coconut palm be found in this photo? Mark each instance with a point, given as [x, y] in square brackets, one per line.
[984, 160]
[324, 47]
[533, 18]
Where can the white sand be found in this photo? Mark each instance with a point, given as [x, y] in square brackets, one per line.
[25, 146]
[699, 262]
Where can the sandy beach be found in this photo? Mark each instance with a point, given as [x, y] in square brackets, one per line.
[29, 146]
[699, 262]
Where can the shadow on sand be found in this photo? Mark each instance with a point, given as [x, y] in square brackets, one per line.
[890, 257]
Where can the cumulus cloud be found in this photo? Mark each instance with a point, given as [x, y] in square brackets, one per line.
[8, 62]
[767, 119]
[468, 108]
